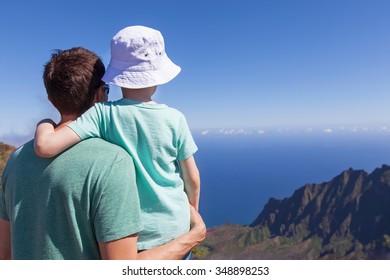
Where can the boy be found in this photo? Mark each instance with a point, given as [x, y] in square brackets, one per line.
[156, 136]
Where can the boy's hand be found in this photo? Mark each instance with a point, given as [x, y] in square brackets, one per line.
[44, 128]
[47, 121]
[49, 142]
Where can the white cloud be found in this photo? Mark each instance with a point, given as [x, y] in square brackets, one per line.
[239, 131]
[260, 131]
[328, 130]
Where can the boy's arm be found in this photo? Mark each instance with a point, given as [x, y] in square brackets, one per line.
[191, 178]
[126, 248]
[5, 240]
[50, 142]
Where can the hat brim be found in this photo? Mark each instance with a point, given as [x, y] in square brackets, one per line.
[141, 79]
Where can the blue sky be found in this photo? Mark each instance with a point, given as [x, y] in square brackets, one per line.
[245, 64]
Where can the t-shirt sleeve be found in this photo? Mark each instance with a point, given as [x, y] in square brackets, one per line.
[3, 210]
[90, 123]
[186, 144]
[117, 207]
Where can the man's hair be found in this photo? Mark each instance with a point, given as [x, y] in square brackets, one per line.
[72, 78]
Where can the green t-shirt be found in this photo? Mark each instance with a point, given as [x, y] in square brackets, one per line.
[59, 208]
[156, 137]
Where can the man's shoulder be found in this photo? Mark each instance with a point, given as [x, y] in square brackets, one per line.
[23, 154]
[92, 155]
[97, 145]
[96, 149]
[28, 146]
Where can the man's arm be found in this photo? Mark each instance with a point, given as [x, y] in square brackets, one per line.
[126, 248]
[50, 142]
[5, 240]
[191, 178]
[120, 249]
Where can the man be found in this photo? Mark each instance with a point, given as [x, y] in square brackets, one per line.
[82, 204]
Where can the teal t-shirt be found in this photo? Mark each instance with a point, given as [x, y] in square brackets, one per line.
[59, 208]
[156, 136]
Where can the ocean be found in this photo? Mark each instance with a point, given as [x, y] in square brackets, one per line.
[240, 173]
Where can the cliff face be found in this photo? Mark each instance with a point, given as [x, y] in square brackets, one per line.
[345, 218]
[353, 203]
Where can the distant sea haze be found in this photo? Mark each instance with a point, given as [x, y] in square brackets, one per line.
[241, 171]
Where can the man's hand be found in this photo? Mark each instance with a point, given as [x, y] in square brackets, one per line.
[198, 227]
[179, 247]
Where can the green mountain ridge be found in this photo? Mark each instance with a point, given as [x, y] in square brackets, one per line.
[345, 218]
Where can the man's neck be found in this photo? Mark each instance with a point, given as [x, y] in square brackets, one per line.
[65, 120]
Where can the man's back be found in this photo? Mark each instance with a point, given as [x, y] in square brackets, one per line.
[60, 208]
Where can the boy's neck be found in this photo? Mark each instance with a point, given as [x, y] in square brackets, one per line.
[139, 94]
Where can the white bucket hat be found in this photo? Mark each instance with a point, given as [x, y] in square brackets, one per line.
[138, 59]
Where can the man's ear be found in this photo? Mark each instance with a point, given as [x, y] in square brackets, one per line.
[99, 95]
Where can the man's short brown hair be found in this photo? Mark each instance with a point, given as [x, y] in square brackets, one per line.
[72, 78]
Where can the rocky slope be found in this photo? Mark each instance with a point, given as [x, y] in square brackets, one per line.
[345, 218]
